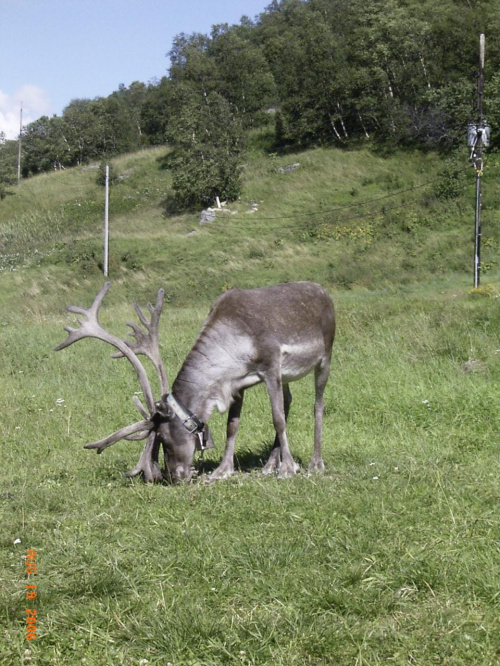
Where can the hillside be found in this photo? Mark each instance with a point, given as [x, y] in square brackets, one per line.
[348, 219]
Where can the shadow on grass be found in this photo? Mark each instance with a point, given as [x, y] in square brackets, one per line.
[173, 206]
[245, 461]
[165, 161]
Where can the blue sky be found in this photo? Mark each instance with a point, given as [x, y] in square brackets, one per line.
[53, 51]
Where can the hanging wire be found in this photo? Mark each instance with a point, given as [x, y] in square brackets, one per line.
[299, 220]
[345, 206]
[260, 223]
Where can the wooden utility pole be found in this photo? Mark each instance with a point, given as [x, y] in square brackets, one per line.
[19, 148]
[106, 221]
[478, 163]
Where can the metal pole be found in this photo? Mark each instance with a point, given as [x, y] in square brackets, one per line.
[479, 165]
[477, 232]
[106, 221]
[19, 149]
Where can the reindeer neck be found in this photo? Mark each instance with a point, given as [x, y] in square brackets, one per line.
[204, 380]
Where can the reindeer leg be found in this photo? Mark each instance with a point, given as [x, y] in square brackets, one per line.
[273, 464]
[148, 462]
[276, 392]
[321, 373]
[226, 467]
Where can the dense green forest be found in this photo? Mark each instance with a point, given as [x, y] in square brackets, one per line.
[395, 72]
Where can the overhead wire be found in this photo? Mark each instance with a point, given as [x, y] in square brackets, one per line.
[260, 223]
[350, 205]
[322, 213]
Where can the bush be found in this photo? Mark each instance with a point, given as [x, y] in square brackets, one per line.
[101, 175]
[453, 178]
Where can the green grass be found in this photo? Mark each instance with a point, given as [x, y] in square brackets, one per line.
[391, 557]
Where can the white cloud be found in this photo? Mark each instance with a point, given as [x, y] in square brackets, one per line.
[35, 102]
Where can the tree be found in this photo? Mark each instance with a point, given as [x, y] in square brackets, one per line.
[208, 139]
[45, 146]
[103, 126]
[8, 165]
[134, 98]
[492, 109]
[308, 61]
[85, 129]
[191, 63]
[156, 111]
[118, 124]
[244, 77]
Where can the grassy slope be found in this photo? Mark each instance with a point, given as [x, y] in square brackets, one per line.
[315, 222]
[391, 557]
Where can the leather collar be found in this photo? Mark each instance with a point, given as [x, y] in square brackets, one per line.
[189, 420]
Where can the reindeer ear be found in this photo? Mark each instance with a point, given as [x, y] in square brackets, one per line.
[164, 410]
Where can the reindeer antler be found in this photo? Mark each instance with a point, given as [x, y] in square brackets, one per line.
[147, 343]
[91, 328]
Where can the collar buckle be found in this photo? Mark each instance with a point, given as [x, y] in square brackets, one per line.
[189, 420]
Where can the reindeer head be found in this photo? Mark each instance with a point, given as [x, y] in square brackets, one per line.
[165, 421]
[181, 434]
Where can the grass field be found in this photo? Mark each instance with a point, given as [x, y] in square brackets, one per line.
[391, 557]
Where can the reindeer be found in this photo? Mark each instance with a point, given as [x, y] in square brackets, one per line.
[273, 335]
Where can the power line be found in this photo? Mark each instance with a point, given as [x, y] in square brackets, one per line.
[351, 205]
[254, 224]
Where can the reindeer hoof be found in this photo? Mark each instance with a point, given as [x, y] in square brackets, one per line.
[316, 466]
[220, 473]
[272, 465]
[288, 469]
